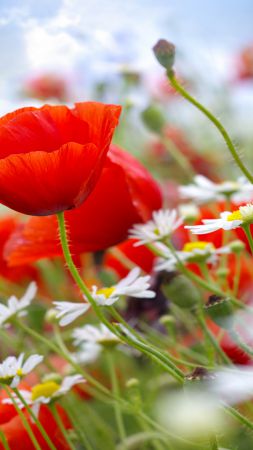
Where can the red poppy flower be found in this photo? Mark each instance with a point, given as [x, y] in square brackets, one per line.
[17, 436]
[15, 274]
[47, 86]
[51, 157]
[125, 194]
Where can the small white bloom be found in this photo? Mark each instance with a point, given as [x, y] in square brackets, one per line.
[94, 335]
[204, 190]
[69, 311]
[132, 285]
[17, 307]
[199, 251]
[88, 353]
[162, 225]
[46, 392]
[12, 369]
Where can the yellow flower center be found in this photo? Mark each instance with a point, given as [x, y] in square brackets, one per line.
[236, 215]
[20, 372]
[200, 245]
[107, 292]
[46, 389]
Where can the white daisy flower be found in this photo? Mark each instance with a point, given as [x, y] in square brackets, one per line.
[88, 353]
[12, 369]
[192, 252]
[162, 225]
[46, 392]
[227, 221]
[204, 190]
[132, 285]
[67, 312]
[17, 307]
[100, 335]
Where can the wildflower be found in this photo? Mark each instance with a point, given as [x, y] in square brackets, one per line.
[192, 252]
[132, 285]
[14, 431]
[51, 157]
[204, 190]
[12, 369]
[124, 194]
[50, 390]
[17, 307]
[100, 335]
[227, 221]
[69, 311]
[162, 225]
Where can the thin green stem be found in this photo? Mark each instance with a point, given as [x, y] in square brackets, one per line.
[177, 86]
[154, 354]
[61, 426]
[240, 417]
[238, 340]
[4, 441]
[35, 419]
[115, 390]
[24, 420]
[79, 429]
[201, 320]
[213, 442]
[246, 229]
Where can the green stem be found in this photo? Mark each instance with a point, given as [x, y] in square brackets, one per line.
[36, 421]
[79, 429]
[61, 426]
[177, 86]
[246, 229]
[240, 417]
[4, 441]
[178, 156]
[201, 320]
[153, 354]
[115, 390]
[24, 420]
[238, 340]
[213, 442]
[137, 440]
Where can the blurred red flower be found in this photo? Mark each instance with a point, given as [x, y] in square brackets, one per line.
[15, 274]
[51, 157]
[47, 86]
[245, 63]
[125, 194]
[17, 436]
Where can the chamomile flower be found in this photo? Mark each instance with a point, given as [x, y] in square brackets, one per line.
[99, 335]
[204, 190]
[67, 312]
[227, 221]
[133, 285]
[17, 307]
[162, 225]
[12, 369]
[192, 252]
[46, 392]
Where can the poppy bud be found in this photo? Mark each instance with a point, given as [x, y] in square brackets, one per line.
[182, 292]
[220, 311]
[153, 119]
[165, 53]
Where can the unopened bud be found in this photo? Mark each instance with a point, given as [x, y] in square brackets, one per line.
[181, 291]
[237, 246]
[50, 316]
[153, 119]
[165, 53]
[52, 377]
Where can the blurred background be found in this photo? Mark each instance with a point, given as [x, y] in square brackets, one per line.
[72, 50]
